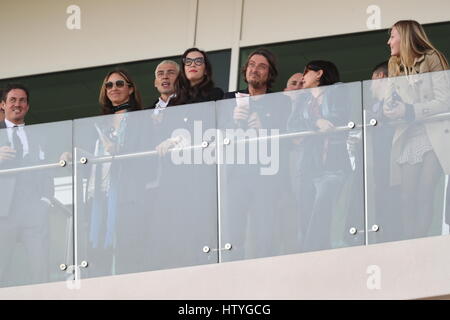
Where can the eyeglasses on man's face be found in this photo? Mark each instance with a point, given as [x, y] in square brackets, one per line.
[119, 84]
[197, 61]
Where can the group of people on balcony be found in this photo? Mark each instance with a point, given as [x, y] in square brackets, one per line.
[320, 165]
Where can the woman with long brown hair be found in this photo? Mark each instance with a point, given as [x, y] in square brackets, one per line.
[419, 151]
[119, 93]
[113, 188]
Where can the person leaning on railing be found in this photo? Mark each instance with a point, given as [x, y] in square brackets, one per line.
[323, 161]
[419, 150]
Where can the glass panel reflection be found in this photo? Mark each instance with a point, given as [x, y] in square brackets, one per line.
[36, 196]
[407, 155]
[285, 185]
[144, 203]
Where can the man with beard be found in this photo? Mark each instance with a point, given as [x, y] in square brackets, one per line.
[254, 206]
[260, 72]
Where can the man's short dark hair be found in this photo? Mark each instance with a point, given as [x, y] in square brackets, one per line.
[273, 71]
[12, 86]
[382, 67]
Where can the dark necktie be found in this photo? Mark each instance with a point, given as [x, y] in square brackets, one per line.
[17, 143]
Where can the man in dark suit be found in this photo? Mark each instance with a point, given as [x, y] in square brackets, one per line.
[254, 204]
[24, 195]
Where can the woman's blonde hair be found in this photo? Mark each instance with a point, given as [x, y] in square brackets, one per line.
[413, 43]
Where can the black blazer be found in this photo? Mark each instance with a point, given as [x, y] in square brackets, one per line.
[38, 182]
[213, 95]
[232, 94]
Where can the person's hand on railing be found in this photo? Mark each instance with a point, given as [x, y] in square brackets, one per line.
[7, 153]
[171, 143]
[324, 125]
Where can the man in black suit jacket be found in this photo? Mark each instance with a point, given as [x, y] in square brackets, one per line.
[24, 196]
[253, 202]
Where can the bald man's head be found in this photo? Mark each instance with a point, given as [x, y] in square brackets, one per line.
[294, 82]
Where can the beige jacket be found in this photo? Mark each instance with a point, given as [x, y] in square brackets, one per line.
[427, 89]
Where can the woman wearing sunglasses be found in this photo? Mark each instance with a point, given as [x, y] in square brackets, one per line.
[322, 162]
[114, 186]
[419, 148]
[119, 94]
[195, 83]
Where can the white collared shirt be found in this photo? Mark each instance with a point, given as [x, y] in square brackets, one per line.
[21, 133]
[161, 104]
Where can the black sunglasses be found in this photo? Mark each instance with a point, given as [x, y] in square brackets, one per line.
[118, 83]
[198, 61]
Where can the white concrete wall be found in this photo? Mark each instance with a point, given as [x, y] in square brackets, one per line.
[284, 20]
[35, 38]
[411, 269]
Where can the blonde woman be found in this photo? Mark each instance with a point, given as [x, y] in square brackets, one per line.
[419, 149]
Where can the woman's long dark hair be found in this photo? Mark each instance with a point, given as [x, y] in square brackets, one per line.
[187, 93]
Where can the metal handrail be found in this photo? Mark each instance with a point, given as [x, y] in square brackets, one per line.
[102, 159]
[30, 168]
